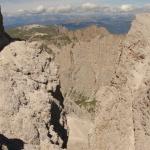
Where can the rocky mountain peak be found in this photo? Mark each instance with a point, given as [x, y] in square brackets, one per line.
[122, 113]
[31, 103]
[1, 23]
[4, 37]
[105, 81]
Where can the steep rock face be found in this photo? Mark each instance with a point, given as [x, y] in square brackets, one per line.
[88, 33]
[122, 115]
[88, 64]
[32, 113]
[4, 38]
[85, 63]
[84, 66]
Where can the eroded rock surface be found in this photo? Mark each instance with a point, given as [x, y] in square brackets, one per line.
[89, 62]
[31, 103]
[123, 108]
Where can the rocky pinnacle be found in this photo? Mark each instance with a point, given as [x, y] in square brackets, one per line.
[4, 37]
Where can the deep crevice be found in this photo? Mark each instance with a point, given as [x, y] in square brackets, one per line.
[56, 114]
[11, 144]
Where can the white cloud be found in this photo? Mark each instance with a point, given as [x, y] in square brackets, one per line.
[51, 9]
[147, 5]
[83, 8]
[126, 7]
[89, 6]
[56, 9]
[59, 9]
[63, 9]
[21, 11]
[40, 9]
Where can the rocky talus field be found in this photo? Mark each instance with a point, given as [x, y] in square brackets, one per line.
[76, 90]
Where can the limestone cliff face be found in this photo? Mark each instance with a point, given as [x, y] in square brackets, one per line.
[88, 63]
[32, 115]
[123, 108]
[4, 38]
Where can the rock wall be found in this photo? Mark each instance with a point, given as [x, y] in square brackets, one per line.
[4, 37]
[32, 115]
[122, 115]
[88, 63]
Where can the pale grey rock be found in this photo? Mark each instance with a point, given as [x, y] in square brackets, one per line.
[31, 103]
[122, 114]
[85, 65]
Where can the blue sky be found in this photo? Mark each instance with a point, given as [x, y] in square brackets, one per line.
[53, 2]
[11, 6]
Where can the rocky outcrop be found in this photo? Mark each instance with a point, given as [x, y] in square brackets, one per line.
[88, 64]
[86, 57]
[84, 66]
[4, 37]
[117, 68]
[87, 33]
[32, 115]
[122, 115]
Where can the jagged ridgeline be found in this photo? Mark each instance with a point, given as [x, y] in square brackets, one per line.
[79, 46]
[50, 34]
[86, 61]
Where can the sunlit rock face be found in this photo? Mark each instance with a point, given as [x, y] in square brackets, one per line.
[122, 113]
[31, 103]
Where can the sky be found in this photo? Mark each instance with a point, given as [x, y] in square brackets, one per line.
[20, 6]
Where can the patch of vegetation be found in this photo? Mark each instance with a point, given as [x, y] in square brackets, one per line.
[50, 34]
[84, 101]
[44, 47]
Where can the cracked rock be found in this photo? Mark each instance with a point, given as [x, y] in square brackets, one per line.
[28, 110]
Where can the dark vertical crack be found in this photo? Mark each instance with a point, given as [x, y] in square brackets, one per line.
[57, 113]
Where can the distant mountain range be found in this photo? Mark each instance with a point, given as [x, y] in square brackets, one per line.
[115, 23]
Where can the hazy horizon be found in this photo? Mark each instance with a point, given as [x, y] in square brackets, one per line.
[14, 7]
[116, 16]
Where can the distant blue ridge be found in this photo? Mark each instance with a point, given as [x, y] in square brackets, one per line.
[119, 24]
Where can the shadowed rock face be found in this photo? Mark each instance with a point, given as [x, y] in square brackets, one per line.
[10, 144]
[4, 37]
[1, 23]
